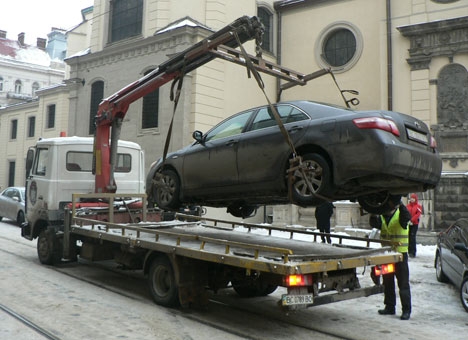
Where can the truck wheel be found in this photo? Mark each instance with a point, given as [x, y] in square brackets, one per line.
[48, 248]
[318, 174]
[440, 275]
[162, 282]
[464, 293]
[249, 288]
[167, 190]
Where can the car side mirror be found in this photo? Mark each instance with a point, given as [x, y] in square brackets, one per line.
[198, 136]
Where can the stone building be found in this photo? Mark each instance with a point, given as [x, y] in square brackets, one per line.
[403, 55]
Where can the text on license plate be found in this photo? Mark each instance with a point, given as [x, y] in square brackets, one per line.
[417, 136]
[288, 300]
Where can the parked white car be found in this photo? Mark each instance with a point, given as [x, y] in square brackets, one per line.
[12, 204]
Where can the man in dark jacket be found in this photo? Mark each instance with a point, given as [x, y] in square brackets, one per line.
[323, 213]
[393, 227]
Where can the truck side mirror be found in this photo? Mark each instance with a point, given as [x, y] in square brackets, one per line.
[29, 161]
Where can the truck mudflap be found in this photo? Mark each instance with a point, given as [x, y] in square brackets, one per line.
[302, 301]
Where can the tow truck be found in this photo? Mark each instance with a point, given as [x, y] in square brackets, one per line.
[188, 255]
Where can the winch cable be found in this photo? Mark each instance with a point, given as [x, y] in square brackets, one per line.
[295, 163]
[175, 98]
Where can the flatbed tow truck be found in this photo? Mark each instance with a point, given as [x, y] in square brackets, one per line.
[187, 255]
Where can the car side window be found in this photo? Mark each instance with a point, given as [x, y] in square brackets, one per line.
[288, 114]
[230, 127]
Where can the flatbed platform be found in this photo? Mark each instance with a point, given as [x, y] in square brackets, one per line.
[257, 247]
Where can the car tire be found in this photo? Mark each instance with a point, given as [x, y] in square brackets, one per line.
[464, 293]
[162, 282]
[318, 174]
[242, 211]
[377, 203]
[440, 275]
[167, 190]
[20, 218]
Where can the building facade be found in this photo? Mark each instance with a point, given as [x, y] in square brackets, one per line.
[409, 56]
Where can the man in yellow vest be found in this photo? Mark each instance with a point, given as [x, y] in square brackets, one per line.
[393, 227]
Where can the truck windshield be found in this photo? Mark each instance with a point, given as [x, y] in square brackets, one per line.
[83, 161]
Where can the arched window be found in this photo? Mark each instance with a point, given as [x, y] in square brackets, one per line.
[18, 86]
[266, 17]
[150, 110]
[35, 87]
[97, 93]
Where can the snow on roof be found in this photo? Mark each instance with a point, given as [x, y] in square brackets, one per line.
[12, 50]
[187, 21]
[80, 53]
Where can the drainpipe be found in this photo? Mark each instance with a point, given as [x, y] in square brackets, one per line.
[389, 59]
[278, 53]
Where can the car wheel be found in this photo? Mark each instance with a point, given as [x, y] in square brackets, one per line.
[162, 282]
[378, 203]
[242, 211]
[464, 293]
[167, 186]
[20, 218]
[317, 173]
[441, 277]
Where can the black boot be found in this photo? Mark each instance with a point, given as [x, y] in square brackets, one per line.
[387, 311]
[405, 316]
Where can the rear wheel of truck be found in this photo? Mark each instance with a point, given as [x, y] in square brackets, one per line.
[162, 282]
[48, 248]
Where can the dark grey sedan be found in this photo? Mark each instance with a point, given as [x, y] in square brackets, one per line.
[12, 204]
[245, 161]
[451, 258]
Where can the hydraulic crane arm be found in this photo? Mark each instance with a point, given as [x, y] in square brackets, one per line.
[113, 109]
[221, 44]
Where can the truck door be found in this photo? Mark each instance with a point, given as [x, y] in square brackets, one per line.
[35, 181]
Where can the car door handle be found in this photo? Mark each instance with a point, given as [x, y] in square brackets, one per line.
[231, 142]
[295, 128]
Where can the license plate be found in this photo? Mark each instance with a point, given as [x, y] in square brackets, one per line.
[289, 300]
[417, 136]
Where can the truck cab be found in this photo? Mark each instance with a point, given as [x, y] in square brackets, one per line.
[58, 167]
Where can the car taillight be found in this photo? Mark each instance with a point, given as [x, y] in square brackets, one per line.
[433, 143]
[298, 280]
[377, 123]
[384, 269]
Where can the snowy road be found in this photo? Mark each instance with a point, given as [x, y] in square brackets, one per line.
[75, 309]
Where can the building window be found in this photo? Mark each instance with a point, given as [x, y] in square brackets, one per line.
[31, 126]
[126, 19]
[339, 46]
[50, 116]
[35, 87]
[11, 173]
[1, 83]
[150, 111]
[266, 17]
[14, 129]
[97, 93]
[18, 86]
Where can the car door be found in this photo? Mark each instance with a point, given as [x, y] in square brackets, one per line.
[263, 150]
[7, 203]
[213, 163]
[454, 268]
